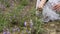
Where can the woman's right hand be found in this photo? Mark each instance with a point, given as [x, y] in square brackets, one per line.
[57, 7]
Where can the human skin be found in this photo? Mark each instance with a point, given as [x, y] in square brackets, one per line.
[57, 7]
[41, 4]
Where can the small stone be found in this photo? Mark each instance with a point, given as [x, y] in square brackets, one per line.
[52, 25]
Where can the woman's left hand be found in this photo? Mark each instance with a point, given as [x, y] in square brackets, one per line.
[57, 7]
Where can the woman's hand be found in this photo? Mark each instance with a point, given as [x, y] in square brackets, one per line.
[41, 5]
[57, 7]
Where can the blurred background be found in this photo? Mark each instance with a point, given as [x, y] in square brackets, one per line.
[19, 17]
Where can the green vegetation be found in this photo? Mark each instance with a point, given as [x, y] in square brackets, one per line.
[15, 15]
